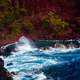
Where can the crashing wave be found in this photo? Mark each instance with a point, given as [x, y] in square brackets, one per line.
[31, 63]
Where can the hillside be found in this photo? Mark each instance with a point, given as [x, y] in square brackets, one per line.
[39, 19]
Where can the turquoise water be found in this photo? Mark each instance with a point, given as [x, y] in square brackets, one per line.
[41, 65]
[30, 63]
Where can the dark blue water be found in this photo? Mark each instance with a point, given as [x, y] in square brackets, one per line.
[42, 65]
[29, 63]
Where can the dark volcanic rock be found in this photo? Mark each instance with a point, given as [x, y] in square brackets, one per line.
[4, 74]
[7, 50]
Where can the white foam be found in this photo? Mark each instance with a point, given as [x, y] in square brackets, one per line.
[26, 64]
[40, 76]
[23, 45]
[60, 50]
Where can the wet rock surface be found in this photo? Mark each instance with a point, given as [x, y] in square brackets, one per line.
[4, 74]
[7, 50]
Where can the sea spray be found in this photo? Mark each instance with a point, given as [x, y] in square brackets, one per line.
[24, 45]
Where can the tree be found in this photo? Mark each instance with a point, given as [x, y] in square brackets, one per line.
[53, 24]
[9, 16]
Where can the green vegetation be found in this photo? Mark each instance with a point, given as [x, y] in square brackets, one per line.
[53, 24]
[14, 20]
[11, 18]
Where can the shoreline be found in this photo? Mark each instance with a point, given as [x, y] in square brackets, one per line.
[4, 42]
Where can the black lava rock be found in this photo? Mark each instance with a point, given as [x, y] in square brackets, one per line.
[4, 74]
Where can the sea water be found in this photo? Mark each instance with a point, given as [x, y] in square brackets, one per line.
[29, 63]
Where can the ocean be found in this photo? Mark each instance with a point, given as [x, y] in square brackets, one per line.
[30, 63]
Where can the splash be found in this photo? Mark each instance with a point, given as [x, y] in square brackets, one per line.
[24, 45]
[35, 65]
